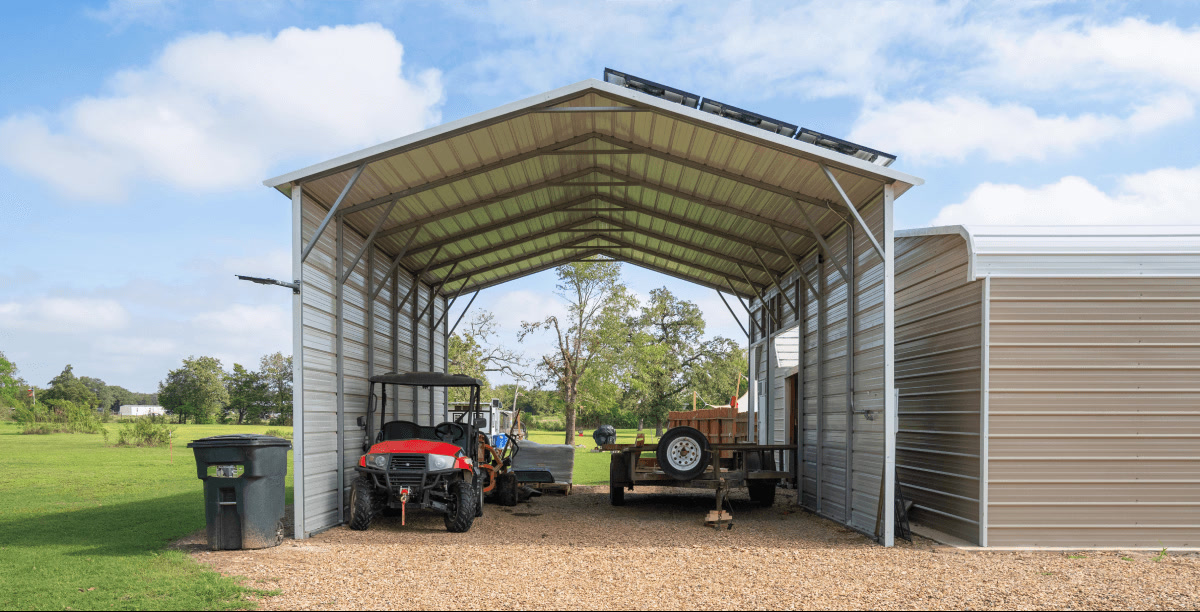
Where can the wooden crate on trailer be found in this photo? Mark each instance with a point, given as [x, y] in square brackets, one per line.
[719, 425]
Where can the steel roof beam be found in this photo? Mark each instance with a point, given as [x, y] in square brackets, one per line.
[674, 241]
[491, 227]
[660, 254]
[761, 300]
[512, 243]
[661, 270]
[792, 259]
[725, 174]
[637, 208]
[695, 199]
[462, 176]
[520, 258]
[775, 281]
[540, 268]
[824, 245]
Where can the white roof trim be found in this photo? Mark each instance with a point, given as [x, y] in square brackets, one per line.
[636, 98]
[1070, 251]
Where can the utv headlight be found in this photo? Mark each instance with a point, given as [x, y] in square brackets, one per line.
[379, 461]
[440, 462]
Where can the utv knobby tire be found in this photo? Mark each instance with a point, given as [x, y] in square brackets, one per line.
[761, 491]
[461, 513]
[617, 470]
[362, 503]
[683, 453]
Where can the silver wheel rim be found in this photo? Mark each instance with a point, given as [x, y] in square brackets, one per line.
[683, 454]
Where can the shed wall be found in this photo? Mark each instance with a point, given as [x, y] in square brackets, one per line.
[838, 437]
[939, 360]
[365, 349]
[1094, 412]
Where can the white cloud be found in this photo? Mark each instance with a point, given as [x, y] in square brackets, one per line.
[1078, 54]
[64, 315]
[1163, 196]
[955, 127]
[215, 111]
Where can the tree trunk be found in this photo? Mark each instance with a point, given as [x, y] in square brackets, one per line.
[641, 424]
[658, 428]
[570, 410]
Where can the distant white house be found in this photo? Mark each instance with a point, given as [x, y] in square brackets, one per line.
[131, 410]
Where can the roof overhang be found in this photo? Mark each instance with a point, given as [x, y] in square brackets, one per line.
[594, 169]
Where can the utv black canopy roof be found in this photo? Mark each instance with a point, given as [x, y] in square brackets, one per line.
[427, 379]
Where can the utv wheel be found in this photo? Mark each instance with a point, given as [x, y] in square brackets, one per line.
[362, 506]
[616, 479]
[761, 491]
[683, 453]
[461, 513]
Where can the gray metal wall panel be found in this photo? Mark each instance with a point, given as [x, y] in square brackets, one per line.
[1094, 431]
[939, 314]
[319, 342]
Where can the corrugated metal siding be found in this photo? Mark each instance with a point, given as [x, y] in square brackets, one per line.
[939, 314]
[836, 440]
[319, 341]
[1094, 412]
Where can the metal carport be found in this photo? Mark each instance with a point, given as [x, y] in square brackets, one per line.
[588, 170]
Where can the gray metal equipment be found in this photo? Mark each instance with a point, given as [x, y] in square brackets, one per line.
[244, 479]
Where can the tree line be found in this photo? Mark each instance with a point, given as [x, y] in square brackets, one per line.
[200, 391]
[615, 360]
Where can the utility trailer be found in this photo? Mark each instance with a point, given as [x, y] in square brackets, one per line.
[684, 457]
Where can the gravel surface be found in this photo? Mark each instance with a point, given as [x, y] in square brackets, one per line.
[577, 552]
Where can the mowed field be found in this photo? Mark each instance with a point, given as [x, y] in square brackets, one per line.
[83, 525]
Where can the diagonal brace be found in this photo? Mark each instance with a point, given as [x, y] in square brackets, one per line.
[332, 211]
[854, 211]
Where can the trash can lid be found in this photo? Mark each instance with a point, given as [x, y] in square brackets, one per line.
[239, 440]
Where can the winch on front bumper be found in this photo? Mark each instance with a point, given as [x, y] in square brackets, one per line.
[410, 474]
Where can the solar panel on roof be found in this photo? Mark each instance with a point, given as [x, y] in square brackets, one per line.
[647, 86]
[783, 128]
[846, 147]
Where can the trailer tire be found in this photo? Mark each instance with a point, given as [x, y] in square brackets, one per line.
[506, 489]
[683, 453]
[761, 491]
[617, 469]
[362, 503]
[461, 514]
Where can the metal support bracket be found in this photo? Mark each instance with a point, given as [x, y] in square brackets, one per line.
[821, 241]
[854, 211]
[332, 211]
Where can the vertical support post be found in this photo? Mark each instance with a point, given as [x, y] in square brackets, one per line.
[341, 378]
[765, 432]
[889, 367]
[298, 363]
[395, 310]
[370, 305]
[416, 291]
[822, 321]
[984, 411]
[802, 320]
[445, 319]
[432, 348]
[752, 396]
[851, 308]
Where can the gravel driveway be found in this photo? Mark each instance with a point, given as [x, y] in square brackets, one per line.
[577, 552]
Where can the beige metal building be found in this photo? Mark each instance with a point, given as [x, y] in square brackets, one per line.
[1049, 383]
[385, 239]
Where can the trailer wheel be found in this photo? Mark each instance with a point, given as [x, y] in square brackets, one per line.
[761, 491]
[506, 489]
[683, 453]
[617, 468]
[362, 507]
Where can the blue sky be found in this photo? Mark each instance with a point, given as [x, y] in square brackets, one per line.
[134, 135]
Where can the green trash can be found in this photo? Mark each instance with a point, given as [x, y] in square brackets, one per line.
[244, 480]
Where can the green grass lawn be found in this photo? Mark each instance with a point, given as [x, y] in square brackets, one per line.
[83, 525]
[591, 468]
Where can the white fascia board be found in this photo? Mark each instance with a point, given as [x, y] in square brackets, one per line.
[804, 149]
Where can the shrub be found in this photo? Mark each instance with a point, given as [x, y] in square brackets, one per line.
[279, 433]
[58, 416]
[148, 431]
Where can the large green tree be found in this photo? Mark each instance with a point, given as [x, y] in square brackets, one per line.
[67, 387]
[249, 396]
[597, 305]
[276, 372]
[12, 387]
[104, 394]
[476, 351]
[670, 359]
[196, 390]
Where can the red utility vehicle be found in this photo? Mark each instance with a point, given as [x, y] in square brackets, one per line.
[406, 465]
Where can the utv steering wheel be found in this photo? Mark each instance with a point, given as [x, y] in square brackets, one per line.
[447, 431]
